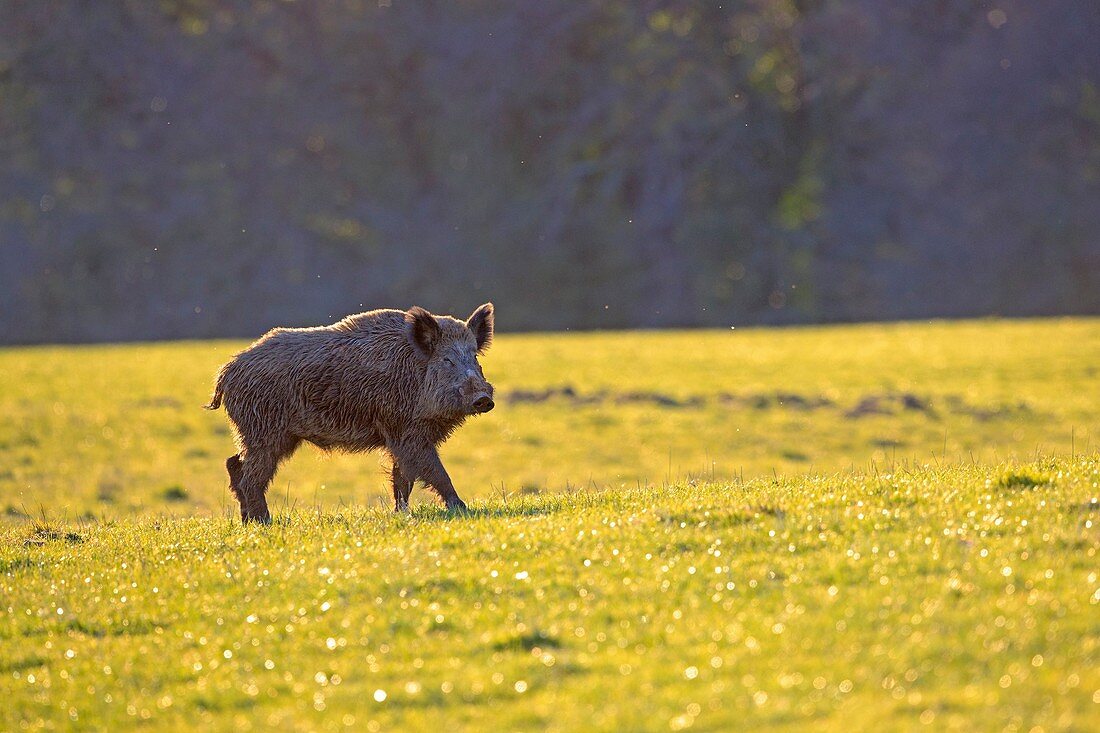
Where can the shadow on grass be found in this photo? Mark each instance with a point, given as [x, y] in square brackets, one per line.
[20, 665]
[502, 511]
[526, 642]
[42, 534]
[16, 564]
[423, 514]
[124, 627]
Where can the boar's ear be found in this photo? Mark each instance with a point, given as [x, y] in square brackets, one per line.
[480, 324]
[424, 331]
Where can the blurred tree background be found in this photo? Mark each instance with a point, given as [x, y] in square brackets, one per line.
[193, 168]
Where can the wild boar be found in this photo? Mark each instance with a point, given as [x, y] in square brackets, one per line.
[401, 381]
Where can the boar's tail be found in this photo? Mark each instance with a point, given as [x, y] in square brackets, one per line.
[219, 389]
[215, 399]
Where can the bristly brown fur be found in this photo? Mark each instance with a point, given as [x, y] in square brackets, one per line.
[401, 381]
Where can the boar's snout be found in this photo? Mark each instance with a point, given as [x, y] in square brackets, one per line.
[476, 390]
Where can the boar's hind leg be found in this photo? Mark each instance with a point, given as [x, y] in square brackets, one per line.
[402, 487]
[256, 472]
[422, 462]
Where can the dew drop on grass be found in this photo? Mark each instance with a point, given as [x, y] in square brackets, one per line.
[379, 695]
[680, 722]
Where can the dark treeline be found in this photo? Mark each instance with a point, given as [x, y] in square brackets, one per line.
[187, 168]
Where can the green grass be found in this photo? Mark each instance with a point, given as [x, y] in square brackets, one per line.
[881, 602]
[846, 528]
[113, 430]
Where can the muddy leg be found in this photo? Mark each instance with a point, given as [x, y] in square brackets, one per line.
[402, 487]
[422, 462]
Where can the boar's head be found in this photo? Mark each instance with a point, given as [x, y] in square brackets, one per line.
[454, 382]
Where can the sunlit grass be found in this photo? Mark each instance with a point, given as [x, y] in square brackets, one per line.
[934, 596]
[112, 430]
[846, 528]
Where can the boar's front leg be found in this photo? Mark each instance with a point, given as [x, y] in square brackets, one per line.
[402, 487]
[421, 461]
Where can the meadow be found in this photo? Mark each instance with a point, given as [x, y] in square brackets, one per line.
[109, 431]
[888, 527]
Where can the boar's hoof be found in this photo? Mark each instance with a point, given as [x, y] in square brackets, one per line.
[457, 506]
[259, 516]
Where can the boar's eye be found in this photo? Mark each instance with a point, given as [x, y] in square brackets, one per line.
[447, 361]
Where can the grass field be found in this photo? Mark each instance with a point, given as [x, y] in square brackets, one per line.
[850, 528]
[107, 431]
